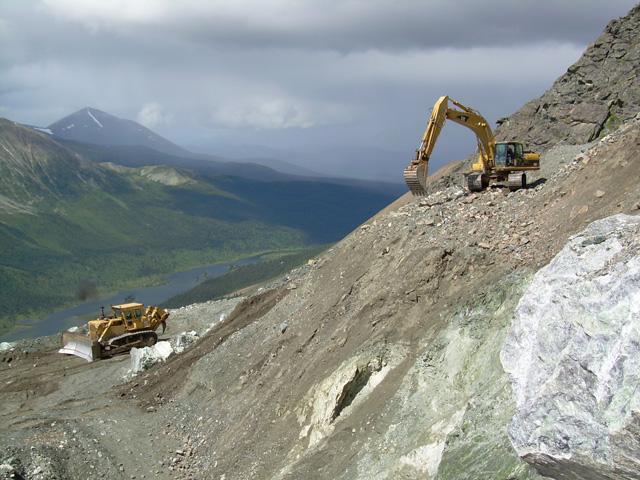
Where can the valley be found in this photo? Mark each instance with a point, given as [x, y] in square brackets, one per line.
[69, 218]
[476, 327]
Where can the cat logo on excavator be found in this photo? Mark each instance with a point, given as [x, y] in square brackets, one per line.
[130, 325]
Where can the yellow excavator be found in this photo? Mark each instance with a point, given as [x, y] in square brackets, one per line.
[497, 162]
[129, 325]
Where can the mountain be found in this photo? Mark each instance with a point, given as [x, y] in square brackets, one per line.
[35, 167]
[357, 162]
[90, 125]
[136, 151]
[364, 163]
[284, 166]
[261, 155]
[597, 94]
[491, 335]
[105, 137]
[65, 219]
[212, 167]
[97, 134]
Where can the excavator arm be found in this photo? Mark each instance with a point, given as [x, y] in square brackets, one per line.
[415, 175]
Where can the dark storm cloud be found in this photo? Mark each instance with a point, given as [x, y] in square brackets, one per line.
[287, 73]
[351, 25]
[409, 25]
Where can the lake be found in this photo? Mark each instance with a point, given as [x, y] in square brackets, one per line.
[175, 284]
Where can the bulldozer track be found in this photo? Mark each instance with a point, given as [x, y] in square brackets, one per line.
[127, 341]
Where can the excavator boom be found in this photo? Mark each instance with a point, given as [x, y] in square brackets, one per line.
[512, 161]
[416, 173]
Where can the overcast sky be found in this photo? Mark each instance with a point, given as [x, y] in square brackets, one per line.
[288, 74]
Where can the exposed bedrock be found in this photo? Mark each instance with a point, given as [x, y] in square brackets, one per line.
[573, 357]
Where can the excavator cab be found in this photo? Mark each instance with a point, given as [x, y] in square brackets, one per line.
[509, 154]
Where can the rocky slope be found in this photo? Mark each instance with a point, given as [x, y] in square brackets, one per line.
[596, 95]
[389, 365]
[380, 359]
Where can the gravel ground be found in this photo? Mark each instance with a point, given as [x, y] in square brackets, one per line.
[283, 380]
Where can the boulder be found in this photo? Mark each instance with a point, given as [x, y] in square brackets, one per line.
[184, 340]
[144, 358]
[573, 358]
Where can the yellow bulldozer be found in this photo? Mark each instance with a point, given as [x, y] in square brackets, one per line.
[497, 162]
[129, 325]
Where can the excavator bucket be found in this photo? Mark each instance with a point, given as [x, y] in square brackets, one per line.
[415, 176]
[79, 345]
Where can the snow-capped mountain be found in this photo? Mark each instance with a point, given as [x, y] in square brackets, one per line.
[91, 125]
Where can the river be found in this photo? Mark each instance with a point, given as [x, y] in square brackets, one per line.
[175, 284]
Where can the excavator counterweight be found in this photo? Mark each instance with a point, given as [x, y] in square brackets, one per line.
[496, 161]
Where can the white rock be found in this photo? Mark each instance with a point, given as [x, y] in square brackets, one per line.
[144, 358]
[573, 357]
[5, 346]
[184, 340]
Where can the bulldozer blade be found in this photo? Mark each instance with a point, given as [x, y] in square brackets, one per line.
[80, 346]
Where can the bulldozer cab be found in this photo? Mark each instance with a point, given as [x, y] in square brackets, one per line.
[131, 313]
[509, 154]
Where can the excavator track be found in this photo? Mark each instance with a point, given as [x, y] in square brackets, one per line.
[517, 181]
[477, 182]
[416, 179]
[127, 341]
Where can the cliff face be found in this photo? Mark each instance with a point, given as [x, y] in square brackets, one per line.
[596, 95]
[572, 356]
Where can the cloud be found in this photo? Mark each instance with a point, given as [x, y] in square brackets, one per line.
[102, 13]
[282, 73]
[152, 114]
[348, 25]
[275, 113]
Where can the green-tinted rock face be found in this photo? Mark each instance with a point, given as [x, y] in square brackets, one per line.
[479, 447]
[448, 419]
